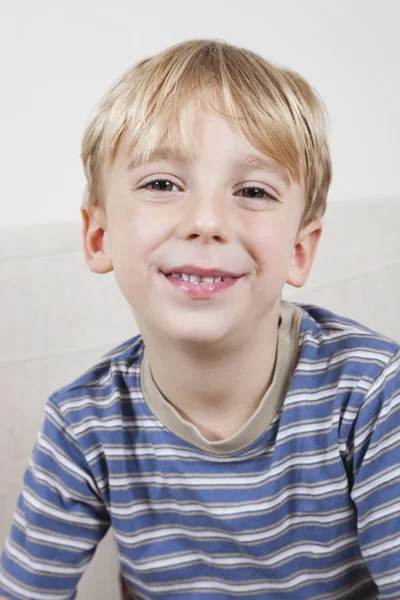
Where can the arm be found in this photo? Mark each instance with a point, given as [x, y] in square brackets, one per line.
[59, 520]
[376, 488]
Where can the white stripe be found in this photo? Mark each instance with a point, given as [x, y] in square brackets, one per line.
[326, 393]
[114, 397]
[383, 376]
[309, 428]
[360, 439]
[126, 367]
[392, 545]
[41, 567]
[232, 512]
[383, 445]
[165, 532]
[337, 324]
[388, 477]
[236, 481]
[350, 414]
[64, 492]
[144, 423]
[388, 579]
[352, 354]
[171, 452]
[68, 464]
[50, 410]
[71, 517]
[334, 330]
[9, 585]
[243, 561]
[395, 401]
[353, 383]
[115, 368]
[262, 586]
[311, 396]
[59, 540]
[384, 511]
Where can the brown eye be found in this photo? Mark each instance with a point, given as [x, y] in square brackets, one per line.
[254, 192]
[160, 185]
[257, 193]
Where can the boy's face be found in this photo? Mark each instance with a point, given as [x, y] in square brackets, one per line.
[204, 216]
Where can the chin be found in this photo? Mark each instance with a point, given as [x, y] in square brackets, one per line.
[195, 333]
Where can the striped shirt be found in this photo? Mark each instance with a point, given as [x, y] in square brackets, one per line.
[303, 502]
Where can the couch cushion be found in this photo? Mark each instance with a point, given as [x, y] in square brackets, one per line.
[59, 317]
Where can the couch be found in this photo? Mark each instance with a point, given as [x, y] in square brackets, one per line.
[58, 318]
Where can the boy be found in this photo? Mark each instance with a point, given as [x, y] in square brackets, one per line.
[241, 446]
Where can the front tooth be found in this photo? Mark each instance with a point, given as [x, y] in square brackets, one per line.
[217, 279]
[194, 279]
[185, 277]
[208, 279]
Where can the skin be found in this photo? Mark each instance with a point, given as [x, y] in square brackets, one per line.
[206, 356]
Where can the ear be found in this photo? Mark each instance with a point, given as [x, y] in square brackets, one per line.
[95, 239]
[303, 253]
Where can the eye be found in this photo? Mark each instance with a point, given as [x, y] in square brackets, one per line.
[159, 185]
[258, 193]
[166, 185]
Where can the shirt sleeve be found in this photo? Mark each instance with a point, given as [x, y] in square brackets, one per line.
[59, 520]
[376, 484]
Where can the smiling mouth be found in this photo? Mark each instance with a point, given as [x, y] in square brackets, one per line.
[195, 287]
[197, 280]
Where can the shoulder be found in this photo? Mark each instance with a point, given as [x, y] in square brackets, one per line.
[324, 328]
[97, 416]
[100, 387]
[336, 345]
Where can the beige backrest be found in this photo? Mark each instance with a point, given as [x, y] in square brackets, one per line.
[57, 318]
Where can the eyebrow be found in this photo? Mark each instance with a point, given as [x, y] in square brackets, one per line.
[172, 154]
[246, 162]
[252, 161]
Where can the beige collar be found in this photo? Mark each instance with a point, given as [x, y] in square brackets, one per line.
[286, 359]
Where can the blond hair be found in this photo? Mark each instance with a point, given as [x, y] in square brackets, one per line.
[277, 111]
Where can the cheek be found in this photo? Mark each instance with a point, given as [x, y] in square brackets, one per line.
[135, 252]
[271, 245]
[137, 238]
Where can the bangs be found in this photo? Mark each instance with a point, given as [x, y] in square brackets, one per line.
[252, 105]
[156, 103]
[173, 128]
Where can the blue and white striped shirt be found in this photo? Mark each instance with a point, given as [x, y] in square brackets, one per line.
[303, 502]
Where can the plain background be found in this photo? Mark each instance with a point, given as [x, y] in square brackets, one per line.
[57, 58]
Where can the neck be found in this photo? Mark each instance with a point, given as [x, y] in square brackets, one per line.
[207, 385]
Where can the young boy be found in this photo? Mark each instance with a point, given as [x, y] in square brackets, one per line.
[241, 446]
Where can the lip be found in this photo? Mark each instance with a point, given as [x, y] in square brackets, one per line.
[200, 271]
[200, 291]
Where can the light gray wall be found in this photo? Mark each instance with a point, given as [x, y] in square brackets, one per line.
[57, 59]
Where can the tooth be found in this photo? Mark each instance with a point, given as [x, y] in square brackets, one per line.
[208, 279]
[217, 279]
[194, 279]
[185, 277]
[176, 275]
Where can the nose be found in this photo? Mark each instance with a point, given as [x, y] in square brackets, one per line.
[204, 217]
